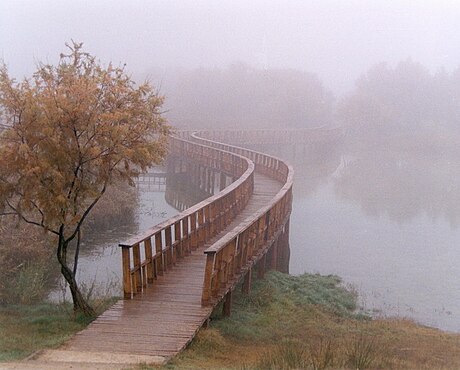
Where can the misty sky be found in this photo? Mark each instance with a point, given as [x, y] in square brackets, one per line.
[337, 40]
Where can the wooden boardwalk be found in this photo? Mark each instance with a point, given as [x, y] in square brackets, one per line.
[159, 322]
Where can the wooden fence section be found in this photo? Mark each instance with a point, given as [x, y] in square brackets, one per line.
[232, 257]
[146, 256]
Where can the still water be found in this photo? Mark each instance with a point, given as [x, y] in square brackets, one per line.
[384, 221]
[388, 224]
[99, 266]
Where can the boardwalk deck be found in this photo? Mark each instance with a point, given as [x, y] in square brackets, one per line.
[164, 319]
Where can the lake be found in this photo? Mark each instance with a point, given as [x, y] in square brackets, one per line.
[386, 222]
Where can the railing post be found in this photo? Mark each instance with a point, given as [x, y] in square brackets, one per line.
[185, 236]
[137, 267]
[193, 232]
[159, 260]
[177, 240]
[126, 272]
[150, 261]
[202, 227]
[208, 273]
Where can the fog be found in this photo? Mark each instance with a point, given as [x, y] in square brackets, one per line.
[381, 209]
[336, 40]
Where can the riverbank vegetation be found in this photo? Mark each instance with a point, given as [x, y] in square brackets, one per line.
[287, 322]
[311, 321]
[27, 277]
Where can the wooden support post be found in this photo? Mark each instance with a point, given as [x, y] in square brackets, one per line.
[246, 288]
[185, 236]
[202, 228]
[177, 240]
[227, 307]
[284, 253]
[159, 263]
[137, 267]
[274, 255]
[207, 284]
[169, 252]
[150, 262]
[213, 182]
[222, 181]
[207, 228]
[261, 267]
[208, 182]
[126, 273]
[193, 232]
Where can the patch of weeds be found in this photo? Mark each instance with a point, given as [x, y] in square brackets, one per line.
[322, 353]
[363, 351]
[287, 355]
[208, 340]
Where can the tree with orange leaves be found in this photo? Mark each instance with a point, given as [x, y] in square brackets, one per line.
[71, 130]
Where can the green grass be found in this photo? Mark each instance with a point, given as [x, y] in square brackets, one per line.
[25, 329]
[307, 321]
[281, 302]
[311, 321]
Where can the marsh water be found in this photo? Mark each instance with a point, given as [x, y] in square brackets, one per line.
[386, 222]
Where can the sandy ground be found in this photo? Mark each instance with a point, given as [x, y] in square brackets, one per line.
[62, 359]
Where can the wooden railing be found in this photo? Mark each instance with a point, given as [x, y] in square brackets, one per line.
[146, 256]
[230, 257]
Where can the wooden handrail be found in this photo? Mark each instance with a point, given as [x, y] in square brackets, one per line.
[148, 255]
[231, 255]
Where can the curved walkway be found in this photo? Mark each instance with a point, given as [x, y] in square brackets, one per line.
[159, 323]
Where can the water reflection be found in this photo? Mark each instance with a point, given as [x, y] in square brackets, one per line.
[401, 186]
[386, 222]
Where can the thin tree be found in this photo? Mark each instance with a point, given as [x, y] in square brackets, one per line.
[71, 130]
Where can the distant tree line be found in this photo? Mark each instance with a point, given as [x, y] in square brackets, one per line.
[385, 100]
[242, 96]
[405, 99]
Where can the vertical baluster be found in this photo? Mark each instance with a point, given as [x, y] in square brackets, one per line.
[127, 290]
[207, 284]
[185, 236]
[169, 247]
[202, 228]
[159, 262]
[177, 241]
[150, 261]
[193, 232]
[137, 267]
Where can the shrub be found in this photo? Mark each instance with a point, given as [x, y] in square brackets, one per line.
[25, 260]
[116, 207]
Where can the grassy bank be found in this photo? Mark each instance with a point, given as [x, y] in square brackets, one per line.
[25, 329]
[310, 321]
[287, 322]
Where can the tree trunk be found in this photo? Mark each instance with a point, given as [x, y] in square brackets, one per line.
[79, 303]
